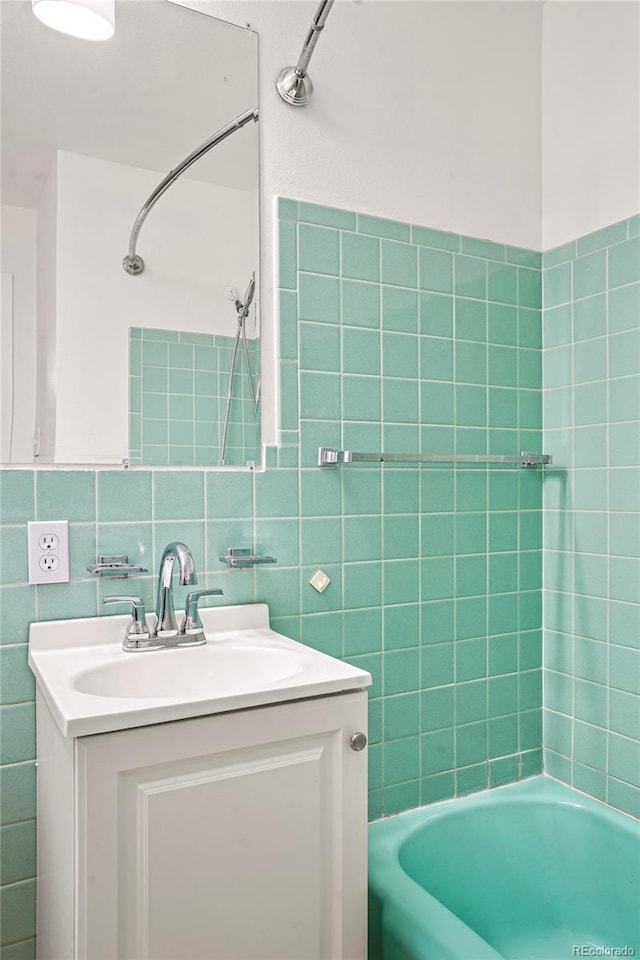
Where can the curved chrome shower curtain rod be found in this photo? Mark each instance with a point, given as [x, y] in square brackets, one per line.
[133, 263]
[293, 83]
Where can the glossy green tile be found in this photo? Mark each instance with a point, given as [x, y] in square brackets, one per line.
[17, 852]
[471, 618]
[471, 779]
[16, 496]
[529, 288]
[18, 605]
[318, 249]
[624, 759]
[360, 303]
[362, 584]
[17, 737]
[436, 403]
[557, 285]
[399, 309]
[401, 716]
[276, 494]
[437, 621]
[362, 629]
[623, 796]
[502, 283]
[602, 238]
[320, 396]
[360, 351]
[401, 626]
[399, 263]
[17, 792]
[65, 495]
[470, 410]
[624, 351]
[503, 324]
[280, 589]
[286, 267]
[483, 248]
[436, 314]
[381, 227]
[401, 581]
[319, 347]
[471, 319]
[399, 355]
[400, 491]
[321, 540]
[400, 536]
[470, 276]
[529, 328]
[400, 401]
[401, 759]
[435, 270]
[470, 701]
[589, 274]
[441, 239]
[437, 751]
[624, 262]
[18, 912]
[561, 254]
[437, 708]
[178, 495]
[471, 742]
[360, 257]
[524, 257]
[13, 554]
[503, 735]
[470, 362]
[437, 577]
[319, 298]
[16, 679]
[325, 216]
[440, 786]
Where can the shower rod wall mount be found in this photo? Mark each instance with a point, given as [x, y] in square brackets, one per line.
[293, 83]
[132, 263]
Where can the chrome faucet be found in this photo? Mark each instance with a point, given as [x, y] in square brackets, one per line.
[166, 623]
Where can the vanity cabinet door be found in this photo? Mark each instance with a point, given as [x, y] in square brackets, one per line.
[235, 837]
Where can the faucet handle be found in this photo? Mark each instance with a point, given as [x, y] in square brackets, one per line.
[192, 622]
[137, 628]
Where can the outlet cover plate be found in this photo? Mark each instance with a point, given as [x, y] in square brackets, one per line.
[48, 548]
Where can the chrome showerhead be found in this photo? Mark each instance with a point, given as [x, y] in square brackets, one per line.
[249, 293]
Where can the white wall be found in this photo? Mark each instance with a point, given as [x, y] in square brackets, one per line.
[19, 260]
[194, 246]
[591, 113]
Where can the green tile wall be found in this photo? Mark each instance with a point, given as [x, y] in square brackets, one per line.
[401, 338]
[591, 377]
[392, 336]
[178, 389]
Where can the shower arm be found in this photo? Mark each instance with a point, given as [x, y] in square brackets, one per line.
[293, 83]
[133, 264]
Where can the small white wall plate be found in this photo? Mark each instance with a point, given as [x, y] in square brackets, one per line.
[320, 581]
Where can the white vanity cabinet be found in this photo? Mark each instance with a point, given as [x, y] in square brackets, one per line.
[237, 836]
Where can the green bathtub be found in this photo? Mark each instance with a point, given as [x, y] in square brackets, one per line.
[530, 871]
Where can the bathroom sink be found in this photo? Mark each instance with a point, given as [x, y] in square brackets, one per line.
[197, 672]
[91, 685]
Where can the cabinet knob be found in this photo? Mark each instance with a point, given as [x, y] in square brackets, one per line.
[358, 741]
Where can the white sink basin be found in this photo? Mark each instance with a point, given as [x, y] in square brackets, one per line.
[225, 668]
[91, 685]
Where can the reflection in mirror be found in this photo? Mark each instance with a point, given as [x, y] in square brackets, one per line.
[100, 367]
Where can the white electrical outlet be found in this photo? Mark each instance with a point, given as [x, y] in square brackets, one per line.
[48, 543]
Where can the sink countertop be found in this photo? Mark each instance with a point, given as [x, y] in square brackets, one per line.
[92, 685]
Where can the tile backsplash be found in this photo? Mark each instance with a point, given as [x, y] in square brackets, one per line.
[399, 338]
[591, 376]
[180, 386]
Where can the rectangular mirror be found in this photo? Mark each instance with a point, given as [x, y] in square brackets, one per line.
[99, 366]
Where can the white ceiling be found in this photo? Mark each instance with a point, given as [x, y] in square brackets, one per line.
[168, 79]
